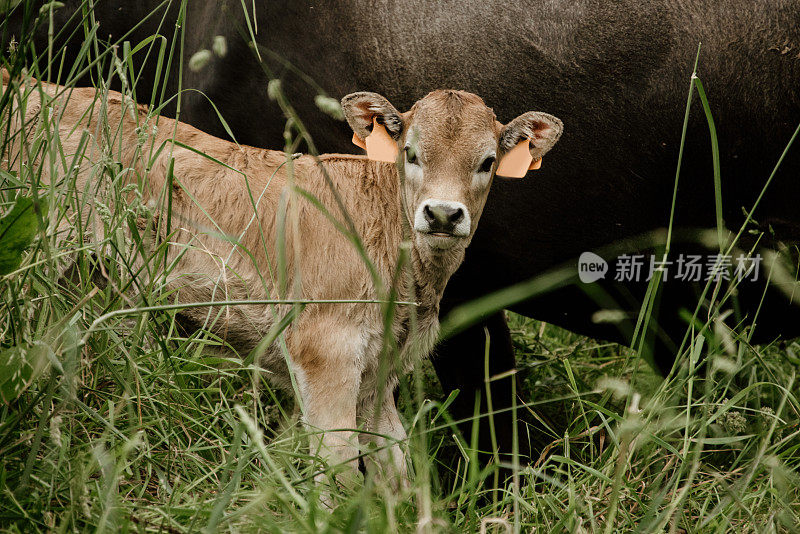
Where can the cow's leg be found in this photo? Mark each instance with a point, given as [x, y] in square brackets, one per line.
[330, 415]
[327, 367]
[459, 363]
[388, 461]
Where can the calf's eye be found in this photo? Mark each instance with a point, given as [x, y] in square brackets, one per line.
[486, 166]
[411, 155]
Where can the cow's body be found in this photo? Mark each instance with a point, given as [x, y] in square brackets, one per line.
[617, 73]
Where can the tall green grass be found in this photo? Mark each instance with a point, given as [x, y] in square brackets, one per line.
[115, 419]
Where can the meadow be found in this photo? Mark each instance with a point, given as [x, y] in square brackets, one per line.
[113, 418]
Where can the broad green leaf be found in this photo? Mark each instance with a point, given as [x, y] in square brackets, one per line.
[9, 179]
[17, 230]
[19, 367]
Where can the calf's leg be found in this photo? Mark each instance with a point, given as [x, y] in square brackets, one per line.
[386, 433]
[328, 372]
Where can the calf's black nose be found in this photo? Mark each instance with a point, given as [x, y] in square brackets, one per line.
[442, 217]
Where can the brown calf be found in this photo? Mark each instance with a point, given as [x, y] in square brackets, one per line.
[447, 147]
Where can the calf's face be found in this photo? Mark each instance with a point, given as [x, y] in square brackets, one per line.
[447, 148]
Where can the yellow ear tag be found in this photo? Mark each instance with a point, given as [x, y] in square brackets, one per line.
[518, 161]
[379, 144]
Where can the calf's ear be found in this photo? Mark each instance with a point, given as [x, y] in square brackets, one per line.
[525, 140]
[376, 124]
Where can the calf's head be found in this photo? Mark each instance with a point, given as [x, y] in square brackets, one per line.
[447, 148]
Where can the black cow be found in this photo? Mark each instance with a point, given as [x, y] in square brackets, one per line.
[617, 73]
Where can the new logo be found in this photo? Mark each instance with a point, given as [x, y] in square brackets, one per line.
[591, 267]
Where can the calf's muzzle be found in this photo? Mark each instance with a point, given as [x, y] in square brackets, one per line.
[436, 216]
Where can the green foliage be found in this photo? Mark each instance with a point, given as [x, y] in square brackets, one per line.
[17, 230]
[18, 367]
